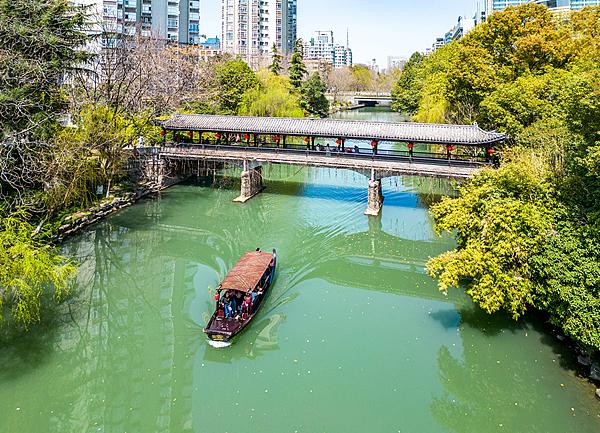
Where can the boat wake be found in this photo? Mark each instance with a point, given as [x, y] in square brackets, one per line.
[219, 344]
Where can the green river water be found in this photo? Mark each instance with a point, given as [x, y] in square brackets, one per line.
[354, 336]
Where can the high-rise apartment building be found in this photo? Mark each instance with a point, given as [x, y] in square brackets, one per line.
[177, 20]
[292, 33]
[498, 5]
[251, 27]
[322, 47]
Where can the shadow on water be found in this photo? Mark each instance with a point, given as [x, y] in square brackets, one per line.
[448, 318]
[341, 185]
[261, 337]
[489, 325]
[25, 349]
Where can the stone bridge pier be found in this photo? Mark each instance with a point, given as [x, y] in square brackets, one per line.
[375, 196]
[252, 183]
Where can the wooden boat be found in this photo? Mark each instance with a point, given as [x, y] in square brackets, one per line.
[240, 296]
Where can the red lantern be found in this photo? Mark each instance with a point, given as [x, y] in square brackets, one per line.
[338, 141]
[374, 143]
[410, 146]
[307, 140]
[276, 138]
[449, 148]
[190, 134]
[163, 132]
[491, 151]
[218, 135]
[216, 296]
[246, 137]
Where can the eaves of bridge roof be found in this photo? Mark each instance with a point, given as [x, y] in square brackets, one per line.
[470, 135]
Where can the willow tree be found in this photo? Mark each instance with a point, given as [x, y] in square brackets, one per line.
[273, 97]
[29, 270]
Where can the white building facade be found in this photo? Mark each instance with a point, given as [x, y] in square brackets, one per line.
[251, 27]
[176, 20]
[499, 5]
[322, 47]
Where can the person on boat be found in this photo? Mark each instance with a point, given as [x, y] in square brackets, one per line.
[246, 305]
[238, 302]
[227, 304]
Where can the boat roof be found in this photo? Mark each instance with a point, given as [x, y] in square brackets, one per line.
[246, 274]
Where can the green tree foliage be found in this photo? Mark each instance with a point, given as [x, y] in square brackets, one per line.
[29, 270]
[234, 78]
[528, 232]
[501, 222]
[362, 78]
[40, 41]
[406, 91]
[275, 66]
[313, 96]
[297, 70]
[102, 136]
[274, 96]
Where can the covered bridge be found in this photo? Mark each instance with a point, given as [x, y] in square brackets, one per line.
[465, 135]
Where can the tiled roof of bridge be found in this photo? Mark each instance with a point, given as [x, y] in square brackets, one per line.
[349, 129]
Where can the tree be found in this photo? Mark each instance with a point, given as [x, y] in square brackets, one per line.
[297, 67]
[40, 42]
[29, 270]
[405, 92]
[502, 220]
[273, 97]
[141, 74]
[362, 78]
[234, 78]
[103, 135]
[275, 67]
[313, 96]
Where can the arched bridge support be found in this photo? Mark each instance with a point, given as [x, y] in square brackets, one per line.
[252, 183]
[375, 197]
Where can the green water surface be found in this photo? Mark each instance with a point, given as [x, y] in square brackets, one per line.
[354, 336]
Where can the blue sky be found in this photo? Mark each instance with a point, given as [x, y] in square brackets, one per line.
[378, 28]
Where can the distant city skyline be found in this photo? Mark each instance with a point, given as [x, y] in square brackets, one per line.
[377, 29]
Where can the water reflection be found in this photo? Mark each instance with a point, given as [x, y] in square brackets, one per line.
[491, 383]
[352, 328]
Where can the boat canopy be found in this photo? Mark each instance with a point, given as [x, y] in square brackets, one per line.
[246, 274]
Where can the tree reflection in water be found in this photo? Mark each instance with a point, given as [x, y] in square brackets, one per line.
[490, 387]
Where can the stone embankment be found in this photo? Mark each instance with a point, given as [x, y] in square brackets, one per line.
[82, 219]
